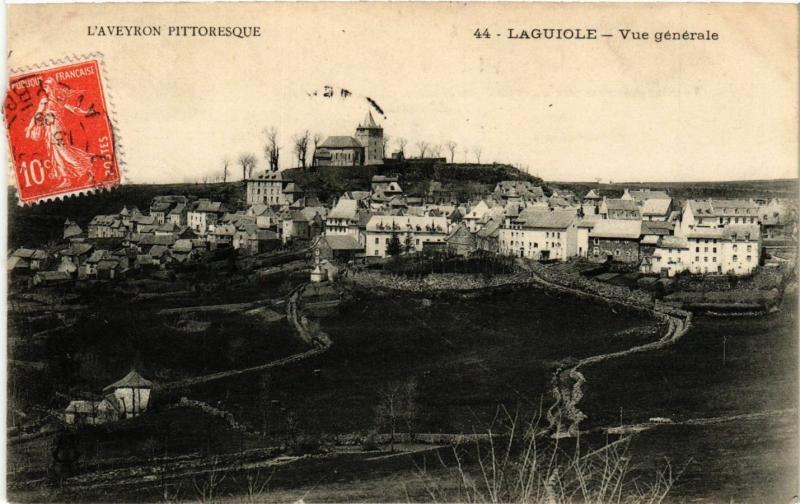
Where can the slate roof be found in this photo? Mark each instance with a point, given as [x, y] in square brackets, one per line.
[620, 204]
[270, 176]
[342, 242]
[207, 206]
[150, 239]
[182, 246]
[617, 228]
[544, 219]
[746, 232]
[674, 242]
[344, 209]
[656, 206]
[645, 194]
[291, 187]
[104, 220]
[340, 142]
[592, 195]
[368, 122]
[131, 380]
[156, 251]
[26, 253]
[491, 228]
[76, 249]
[107, 264]
[657, 227]
[403, 223]
[72, 230]
[723, 207]
[97, 256]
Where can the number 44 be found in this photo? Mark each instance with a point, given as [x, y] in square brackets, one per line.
[482, 33]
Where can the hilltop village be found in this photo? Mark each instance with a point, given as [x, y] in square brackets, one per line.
[171, 334]
[641, 230]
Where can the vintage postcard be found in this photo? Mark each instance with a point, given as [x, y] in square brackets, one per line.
[402, 252]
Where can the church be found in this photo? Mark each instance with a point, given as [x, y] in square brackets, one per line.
[365, 148]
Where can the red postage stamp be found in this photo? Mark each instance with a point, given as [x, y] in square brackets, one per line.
[60, 132]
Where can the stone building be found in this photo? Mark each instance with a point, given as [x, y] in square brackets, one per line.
[617, 240]
[365, 148]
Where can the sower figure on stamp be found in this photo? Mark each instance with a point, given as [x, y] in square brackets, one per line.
[67, 161]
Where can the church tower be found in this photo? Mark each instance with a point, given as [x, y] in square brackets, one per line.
[370, 135]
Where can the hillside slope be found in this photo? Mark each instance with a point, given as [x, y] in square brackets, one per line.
[457, 180]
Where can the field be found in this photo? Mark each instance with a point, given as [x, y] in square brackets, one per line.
[469, 356]
[744, 458]
[779, 188]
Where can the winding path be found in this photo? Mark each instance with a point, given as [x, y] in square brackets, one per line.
[319, 341]
[568, 381]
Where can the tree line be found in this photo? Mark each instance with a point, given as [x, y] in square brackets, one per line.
[304, 143]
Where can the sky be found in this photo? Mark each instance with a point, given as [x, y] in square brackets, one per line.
[565, 110]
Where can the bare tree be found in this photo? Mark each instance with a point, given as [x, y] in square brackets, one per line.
[317, 138]
[271, 148]
[401, 143]
[247, 162]
[477, 151]
[225, 163]
[466, 153]
[398, 405]
[386, 140]
[301, 147]
[423, 148]
[451, 146]
[436, 151]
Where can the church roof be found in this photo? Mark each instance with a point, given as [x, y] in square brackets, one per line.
[341, 142]
[368, 121]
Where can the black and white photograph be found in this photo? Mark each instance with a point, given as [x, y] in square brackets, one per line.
[411, 252]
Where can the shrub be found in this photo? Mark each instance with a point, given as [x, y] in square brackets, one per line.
[368, 442]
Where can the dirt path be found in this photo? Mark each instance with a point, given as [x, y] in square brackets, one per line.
[568, 381]
[319, 341]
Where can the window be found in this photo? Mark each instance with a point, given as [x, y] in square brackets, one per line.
[696, 259]
[616, 252]
[734, 249]
[597, 241]
[715, 250]
[713, 259]
[705, 259]
[705, 249]
[735, 258]
[697, 249]
[749, 258]
[377, 241]
[596, 251]
[749, 248]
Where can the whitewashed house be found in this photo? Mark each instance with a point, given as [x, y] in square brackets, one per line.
[132, 393]
[419, 232]
[540, 234]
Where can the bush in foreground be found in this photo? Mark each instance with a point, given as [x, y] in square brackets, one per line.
[527, 465]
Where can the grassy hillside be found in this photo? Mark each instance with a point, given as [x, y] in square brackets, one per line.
[458, 180]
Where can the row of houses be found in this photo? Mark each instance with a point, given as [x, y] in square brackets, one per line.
[642, 228]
